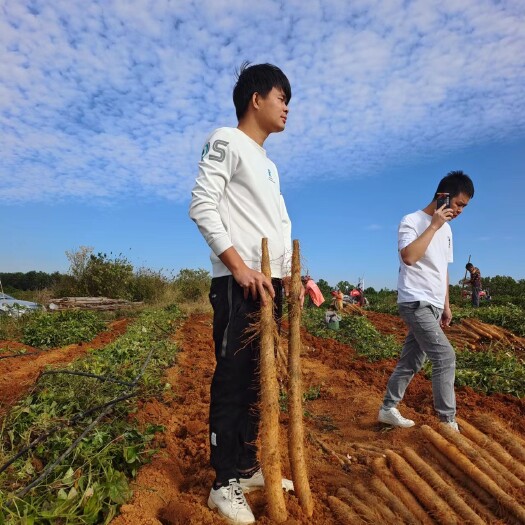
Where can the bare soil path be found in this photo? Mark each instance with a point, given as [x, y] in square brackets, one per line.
[341, 422]
[18, 374]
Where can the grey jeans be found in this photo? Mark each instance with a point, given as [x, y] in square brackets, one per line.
[425, 339]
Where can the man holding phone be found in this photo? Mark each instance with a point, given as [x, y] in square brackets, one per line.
[425, 250]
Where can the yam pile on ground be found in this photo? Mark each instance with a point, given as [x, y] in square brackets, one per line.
[353, 309]
[473, 334]
[469, 333]
[473, 477]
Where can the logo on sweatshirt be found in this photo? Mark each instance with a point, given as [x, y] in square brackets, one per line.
[270, 178]
[205, 150]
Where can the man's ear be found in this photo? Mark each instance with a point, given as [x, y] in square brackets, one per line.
[255, 100]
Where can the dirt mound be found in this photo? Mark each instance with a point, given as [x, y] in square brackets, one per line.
[18, 373]
[349, 453]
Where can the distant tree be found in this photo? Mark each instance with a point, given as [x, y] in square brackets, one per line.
[344, 286]
[503, 285]
[192, 285]
[370, 291]
[78, 262]
[32, 280]
[109, 277]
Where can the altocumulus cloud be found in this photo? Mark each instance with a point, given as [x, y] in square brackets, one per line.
[113, 99]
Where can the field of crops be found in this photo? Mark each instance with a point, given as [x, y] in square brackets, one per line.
[113, 427]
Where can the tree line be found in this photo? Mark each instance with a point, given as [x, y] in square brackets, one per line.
[114, 276]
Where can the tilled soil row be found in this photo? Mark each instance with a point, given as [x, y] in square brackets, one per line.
[360, 471]
[18, 374]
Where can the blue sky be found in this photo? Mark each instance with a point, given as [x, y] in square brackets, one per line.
[105, 107]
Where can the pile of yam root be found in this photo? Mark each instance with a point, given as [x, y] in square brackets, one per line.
[473, 477]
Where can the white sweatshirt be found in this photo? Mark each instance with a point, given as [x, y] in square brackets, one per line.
[236, 201]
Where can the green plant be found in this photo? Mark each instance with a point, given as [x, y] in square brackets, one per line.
[356, 331]
[11, 328]
[313, 393]
[46, 330]
[489, 372]
[90, 484]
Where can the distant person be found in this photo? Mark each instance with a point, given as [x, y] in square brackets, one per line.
[312, 290]
[338, 296]
[332, 318]
[425, 250]
[236, 201]
[475, 282]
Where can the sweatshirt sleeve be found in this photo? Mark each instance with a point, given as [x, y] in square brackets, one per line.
[287, 232]
[217, 164]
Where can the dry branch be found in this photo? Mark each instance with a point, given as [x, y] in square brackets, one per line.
[91, 303]
[343, 461]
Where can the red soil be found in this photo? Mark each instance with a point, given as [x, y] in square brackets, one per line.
[174, 487]
[18, 374]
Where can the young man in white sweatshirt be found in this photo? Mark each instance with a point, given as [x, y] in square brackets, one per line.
[236, 201]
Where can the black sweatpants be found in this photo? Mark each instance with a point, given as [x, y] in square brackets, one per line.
[234, 407]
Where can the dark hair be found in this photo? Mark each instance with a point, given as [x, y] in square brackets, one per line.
[454, 183]
[259, 78]
[469, 265]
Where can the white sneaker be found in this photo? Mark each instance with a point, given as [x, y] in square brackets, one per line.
[394, 418]
[256, 482]
[229, 500]
[452, 424]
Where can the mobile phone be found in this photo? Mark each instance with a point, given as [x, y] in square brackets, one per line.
[443, 198]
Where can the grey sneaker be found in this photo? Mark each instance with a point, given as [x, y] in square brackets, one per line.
[394, 418]
[229, 500]
[256, 482]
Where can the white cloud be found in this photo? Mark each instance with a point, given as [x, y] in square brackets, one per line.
[108, 100]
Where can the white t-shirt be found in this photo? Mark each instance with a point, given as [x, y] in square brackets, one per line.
[236, 201]
[425, 280]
